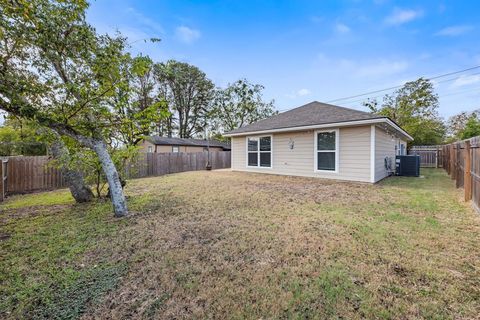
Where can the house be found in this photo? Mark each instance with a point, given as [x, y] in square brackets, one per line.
[320, 140]
[166, 144]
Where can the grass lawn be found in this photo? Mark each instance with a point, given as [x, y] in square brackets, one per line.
[237, 245]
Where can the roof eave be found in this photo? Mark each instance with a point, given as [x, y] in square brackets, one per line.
[326, 125]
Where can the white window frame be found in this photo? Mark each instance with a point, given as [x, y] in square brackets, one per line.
[258, 151]
[337, 149]
[150, 149]
[177, 147]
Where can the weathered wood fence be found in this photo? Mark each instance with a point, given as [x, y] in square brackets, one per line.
[430, 156]
[157, 164]
[29, 174]
[461, 160]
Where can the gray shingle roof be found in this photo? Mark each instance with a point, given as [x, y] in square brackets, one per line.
[186, 142]
[313, 113]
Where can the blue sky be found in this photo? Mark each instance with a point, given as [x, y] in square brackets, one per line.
[311, 50]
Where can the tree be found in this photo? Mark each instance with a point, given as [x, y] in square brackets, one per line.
[239, 104]
[472, 128]
[137, 106]
[415, 108]
[457, 124]
[188, 92]
[55, 70]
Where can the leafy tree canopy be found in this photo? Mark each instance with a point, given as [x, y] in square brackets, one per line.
[188, 92]
[457, 125]
[239, 104]
[415, 108]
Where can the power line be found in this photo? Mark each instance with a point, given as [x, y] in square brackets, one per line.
[443, 81]
[399, 86]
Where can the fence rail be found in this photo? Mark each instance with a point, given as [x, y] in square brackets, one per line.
[462, 162]
[36, 173]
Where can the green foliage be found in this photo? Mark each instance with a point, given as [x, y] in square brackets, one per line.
[137, 107]
[415, 108]
[463, 125]
[240, 104]
[472, 128]
[21, 138]
[188, 92]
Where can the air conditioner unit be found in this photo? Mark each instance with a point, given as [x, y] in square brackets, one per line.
[408, 166]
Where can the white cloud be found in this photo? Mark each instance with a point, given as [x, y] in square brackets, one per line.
[342, 28]
[465, 81]
[453, 31]
[300, 93]
[401, 16]
[187, 35]
[303, 92]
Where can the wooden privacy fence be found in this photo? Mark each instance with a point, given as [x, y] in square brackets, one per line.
[157, 164]
[430, 156]
[28, 174]
[461, 160]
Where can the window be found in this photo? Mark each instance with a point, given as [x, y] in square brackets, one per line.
[326, 151]
[259, 152]
[175, 149]
[150, 149]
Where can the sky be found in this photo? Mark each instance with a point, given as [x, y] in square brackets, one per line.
[303, 51]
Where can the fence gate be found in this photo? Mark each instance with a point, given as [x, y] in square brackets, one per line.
[430, 156]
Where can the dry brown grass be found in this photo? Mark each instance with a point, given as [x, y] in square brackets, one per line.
[237, 245]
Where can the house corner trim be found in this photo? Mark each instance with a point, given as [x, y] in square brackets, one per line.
[372, 153]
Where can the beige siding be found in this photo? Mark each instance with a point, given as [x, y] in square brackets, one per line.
[354, 154]
[144, 146]
[384, 147]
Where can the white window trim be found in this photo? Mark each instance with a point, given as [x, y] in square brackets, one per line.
[337, 149]
[178, 149]
[258, 151]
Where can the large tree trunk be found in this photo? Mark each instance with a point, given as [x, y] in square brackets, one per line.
[114, 184]
[80, 191]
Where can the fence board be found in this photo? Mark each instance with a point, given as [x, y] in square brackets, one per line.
[28, 174]
[462, 162]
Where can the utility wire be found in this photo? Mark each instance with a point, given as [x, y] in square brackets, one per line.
[443, 81]
[399, 86]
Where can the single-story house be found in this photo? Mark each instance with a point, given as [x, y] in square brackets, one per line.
[320, 140]
[167, 144]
